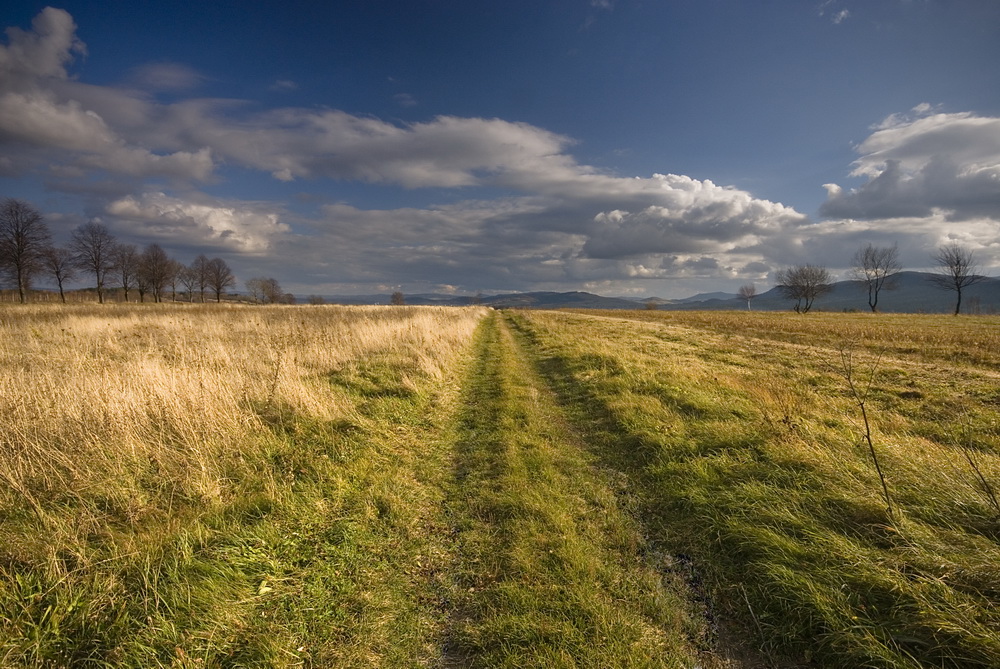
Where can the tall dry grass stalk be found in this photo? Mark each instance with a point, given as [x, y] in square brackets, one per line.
[118, 416]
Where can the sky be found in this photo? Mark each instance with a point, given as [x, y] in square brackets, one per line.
[622, 147]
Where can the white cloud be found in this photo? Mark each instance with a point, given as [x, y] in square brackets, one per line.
[45, 50]
[198, 221]
[297, 143]
[43, 123]
[837, 16]
[924, 162]
[917, 237]
[689, 216]
[34, 118]
[569, 224]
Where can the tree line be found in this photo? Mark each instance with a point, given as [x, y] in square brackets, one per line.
[27, 251]
[874, 267]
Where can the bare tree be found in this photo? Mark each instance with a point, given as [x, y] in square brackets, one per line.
[875, 267]
[92, 247]
[126, 266]
[316, 299]
[272, 291]
[23, 240]
[141, 280]
[265, 290]
[957, 270]
[154, 269]
[804, 283]
[397, 298]
[58, 263]
[174, 278]
[747, 292]
[200, 268]
[255, 287]
[220, 277]
[189, 280]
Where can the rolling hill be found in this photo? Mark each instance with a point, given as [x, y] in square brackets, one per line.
[913, 293]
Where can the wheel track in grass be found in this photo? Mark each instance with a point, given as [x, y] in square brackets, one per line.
[551, 567]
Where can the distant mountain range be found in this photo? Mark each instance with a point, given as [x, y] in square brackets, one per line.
[535, 300]
[913, 293]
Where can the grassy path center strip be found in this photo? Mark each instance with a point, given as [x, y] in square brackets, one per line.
[554, 570]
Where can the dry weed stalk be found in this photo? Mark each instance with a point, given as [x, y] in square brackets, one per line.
[860, 389]
[965, 443]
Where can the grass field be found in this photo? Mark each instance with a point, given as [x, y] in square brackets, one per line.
[187, 485]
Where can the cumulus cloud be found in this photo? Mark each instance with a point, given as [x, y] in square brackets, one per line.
[916, 237]
[35, 118]
[45, 50]
[924, 162]
[41, 124]
[199, 221]
[691, 216]
[294, 143]
[566, 224]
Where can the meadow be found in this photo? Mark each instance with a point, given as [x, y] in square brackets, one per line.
[320, 486]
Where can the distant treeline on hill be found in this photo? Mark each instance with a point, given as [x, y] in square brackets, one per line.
[911, 292]
[914, 292]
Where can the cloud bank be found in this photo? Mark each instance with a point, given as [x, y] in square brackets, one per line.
[517, 211]
[921, 163]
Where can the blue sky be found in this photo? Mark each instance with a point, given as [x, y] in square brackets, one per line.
[624, 147]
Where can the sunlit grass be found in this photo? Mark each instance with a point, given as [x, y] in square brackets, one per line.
[968, 339]
[184, 484]
[555, 569]
[747, 443]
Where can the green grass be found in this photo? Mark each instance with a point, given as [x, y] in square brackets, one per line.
[747, 454]
[313, 562]
[316, 543]
[554, 569]
[386, 488]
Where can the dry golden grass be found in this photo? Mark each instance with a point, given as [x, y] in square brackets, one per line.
[280, 486]
[89, 394]
[973, 339]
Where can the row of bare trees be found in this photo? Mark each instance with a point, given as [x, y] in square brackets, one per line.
[875, 268]
[26, 251]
